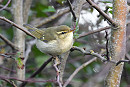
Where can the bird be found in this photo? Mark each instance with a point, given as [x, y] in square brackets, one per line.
[52, 40]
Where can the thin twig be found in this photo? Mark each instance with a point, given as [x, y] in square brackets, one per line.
[77, 70]
[92, 32]
[8, 42]
[96, 31]
[107, 50]
[54, 16]
[28, 50]
[58, 76]
[102, 13]
[127, 56]
[5, 5]
[7, 8]
[7, 56]
[98, 55]
[28, 80]
[5, 68]
[11, 83]
[17, 26]
[92, 53]
[120, 61]
[38, 71]
[56, 63]
[71, 9]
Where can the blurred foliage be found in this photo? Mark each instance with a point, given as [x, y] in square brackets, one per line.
[41, 9]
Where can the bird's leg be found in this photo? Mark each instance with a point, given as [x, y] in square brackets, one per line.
[57, 62]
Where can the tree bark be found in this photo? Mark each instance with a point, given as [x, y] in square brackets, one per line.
[117, 43]
[19, 36]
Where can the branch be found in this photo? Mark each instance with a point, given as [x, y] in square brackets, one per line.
[17, 26]
[28, 49]
[92, 32]
[127, 56]
[107, 50]
[102, 13]
[91, 53]
[71, 9]
[118, 43]
[8, 42]
[120, 61]
[5, 68]
[77, 70]
[54, 16]
[29, 80]
[5, 5]
[11, 83]
[38, 71]
[7, 8]
[56, 63]
[26, 8]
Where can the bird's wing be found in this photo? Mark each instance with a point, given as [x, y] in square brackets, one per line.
[35, 31]
[49, 35]
[45, 34]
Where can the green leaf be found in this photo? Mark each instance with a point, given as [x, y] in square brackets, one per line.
[109, 7]
[110, 11]
[19, 61]
[49, 9]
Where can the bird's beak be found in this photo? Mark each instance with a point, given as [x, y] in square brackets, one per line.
[72, 30]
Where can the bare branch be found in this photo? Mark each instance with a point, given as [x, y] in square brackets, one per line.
[77, 70]
[26, 8]
[92, 32]
[38, 71]
[91, 53]
[8, 42]
[71, 9]
[127, 56]
[28, 80]
[7, 8]
[17, 26]
[11, 83]
[28, 50]
[102, 13]
[5, 68]
[56, 63]
[7, 56]
[107, 50]
[54, 16]
[5, 5]
[120, 61]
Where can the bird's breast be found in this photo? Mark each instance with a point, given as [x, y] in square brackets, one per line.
[56, 47]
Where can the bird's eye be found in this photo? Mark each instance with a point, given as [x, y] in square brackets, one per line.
[63, 32]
